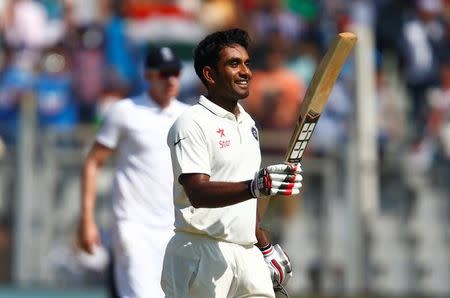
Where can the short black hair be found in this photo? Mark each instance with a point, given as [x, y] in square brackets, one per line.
[207, 51]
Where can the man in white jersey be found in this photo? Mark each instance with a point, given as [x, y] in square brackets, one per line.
[216, 158]
[136, 129]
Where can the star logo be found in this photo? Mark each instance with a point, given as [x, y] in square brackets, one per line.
[221, 132]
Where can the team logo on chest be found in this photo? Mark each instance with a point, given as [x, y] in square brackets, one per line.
[223, 143]
[255, 133]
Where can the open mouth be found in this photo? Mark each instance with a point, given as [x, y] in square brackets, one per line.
[242, 83]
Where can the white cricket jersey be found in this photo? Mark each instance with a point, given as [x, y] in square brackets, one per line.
[208, 139]
[143, 184]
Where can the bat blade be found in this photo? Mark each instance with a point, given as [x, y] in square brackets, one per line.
[317, 94]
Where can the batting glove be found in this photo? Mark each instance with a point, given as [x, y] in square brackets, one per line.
[281, 179]
[279, 265]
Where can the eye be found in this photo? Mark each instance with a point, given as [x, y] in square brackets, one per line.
[234, 64]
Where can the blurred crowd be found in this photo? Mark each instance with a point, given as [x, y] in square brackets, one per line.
[77, 56]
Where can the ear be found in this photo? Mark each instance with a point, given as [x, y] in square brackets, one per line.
[209, 74]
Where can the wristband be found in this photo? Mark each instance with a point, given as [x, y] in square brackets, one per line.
[266, 249]
[250, 189]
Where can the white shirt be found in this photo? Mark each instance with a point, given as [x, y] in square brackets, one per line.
[143, 182]
[208, 139]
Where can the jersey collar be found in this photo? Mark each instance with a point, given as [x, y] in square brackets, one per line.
[147, 100]
[221, 112]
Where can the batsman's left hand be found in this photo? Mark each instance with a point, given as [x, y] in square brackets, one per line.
[278, 263]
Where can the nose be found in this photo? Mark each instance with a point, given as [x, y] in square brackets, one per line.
[245, 71]
[173, 79]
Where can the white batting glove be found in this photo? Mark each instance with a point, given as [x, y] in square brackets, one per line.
[281, 179]
[279, 265]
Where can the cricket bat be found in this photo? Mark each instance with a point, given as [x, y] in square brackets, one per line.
[317, 94]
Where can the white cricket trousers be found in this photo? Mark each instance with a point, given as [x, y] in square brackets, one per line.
[199, 266]
[138, 253]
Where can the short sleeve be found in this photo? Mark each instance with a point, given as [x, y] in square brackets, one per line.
[112, 126]
[189, 148]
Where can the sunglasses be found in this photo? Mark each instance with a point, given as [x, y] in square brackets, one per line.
[166, 74]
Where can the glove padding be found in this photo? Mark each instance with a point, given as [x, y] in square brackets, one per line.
[281, 179]
[279, 265]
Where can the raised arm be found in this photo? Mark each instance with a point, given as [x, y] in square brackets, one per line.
[203, 193]
[275, 179]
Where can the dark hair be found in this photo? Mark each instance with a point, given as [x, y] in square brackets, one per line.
[207, 51]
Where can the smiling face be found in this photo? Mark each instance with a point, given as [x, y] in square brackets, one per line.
[229, 80]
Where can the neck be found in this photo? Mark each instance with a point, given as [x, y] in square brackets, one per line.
[228, 104]
[162, 102]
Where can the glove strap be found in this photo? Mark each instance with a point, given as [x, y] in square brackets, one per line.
[251, 189]
[266, 250]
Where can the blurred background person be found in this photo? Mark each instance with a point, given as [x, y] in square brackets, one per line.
[422, 32]
[275, 92]
[57, 109]
[136, 129]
